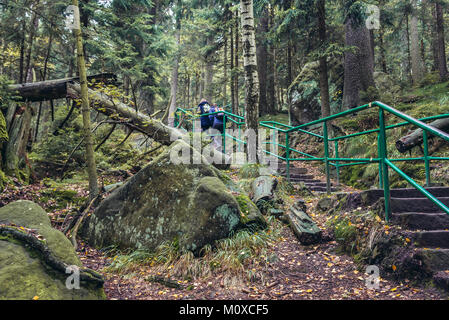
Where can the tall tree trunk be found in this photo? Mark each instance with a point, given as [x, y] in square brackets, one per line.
[383, 56]
[262, 54]
[236, 64]
[289, 77]
[88, 141]
[441, 47]
[271, 68]
[359, 66]
[233, 106]
[175, 72]
[225, 67]
[324, 79]
[44, 76]
[209, 72]
[418, 71]
[33, 28]
[22, 52]
[434, 40]
[250, 67]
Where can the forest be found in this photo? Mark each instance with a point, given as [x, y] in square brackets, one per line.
[224, 150]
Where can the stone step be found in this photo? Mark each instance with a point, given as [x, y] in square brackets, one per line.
[308, 181]
[322, 189]
[399, 205]
[371, 196]
[300, 176]
[432, 239]
[422, 221]
[434, 259]
[441, 280]
[293, 170]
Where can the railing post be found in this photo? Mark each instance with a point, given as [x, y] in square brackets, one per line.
[379, 143]
[224, 134]
[383, 156]
[287, 154]
[337, 162]
[240, 137]
[326, 157]
[426, 157]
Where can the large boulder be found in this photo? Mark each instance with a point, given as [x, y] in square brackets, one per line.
[167, 201]
[34, 259]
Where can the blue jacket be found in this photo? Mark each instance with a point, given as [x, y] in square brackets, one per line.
[204, 108]
[216, 120]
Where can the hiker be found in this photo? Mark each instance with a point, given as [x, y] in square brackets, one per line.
[204, 108]
[216, 120]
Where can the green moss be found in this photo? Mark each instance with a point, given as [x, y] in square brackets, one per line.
[3, 180]
[56, 198]
[3, 131]
[23, 275]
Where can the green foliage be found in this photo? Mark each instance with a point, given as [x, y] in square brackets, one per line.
[250, 170]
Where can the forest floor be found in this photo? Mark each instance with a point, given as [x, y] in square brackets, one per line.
[292, 272]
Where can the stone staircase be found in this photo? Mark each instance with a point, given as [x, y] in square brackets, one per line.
[300, 175]
[426, 225]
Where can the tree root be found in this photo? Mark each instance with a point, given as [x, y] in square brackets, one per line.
[56, 264]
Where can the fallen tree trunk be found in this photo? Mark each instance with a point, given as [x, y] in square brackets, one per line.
[119, 111]
[116, 110]
[416, 137]
[54, 89]
[153, 128]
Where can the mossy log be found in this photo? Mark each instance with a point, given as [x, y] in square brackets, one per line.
[416, 137]
[54, 89]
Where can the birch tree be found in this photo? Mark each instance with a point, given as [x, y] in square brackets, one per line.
[250, 65]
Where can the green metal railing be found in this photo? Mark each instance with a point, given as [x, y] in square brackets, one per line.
[385, 163]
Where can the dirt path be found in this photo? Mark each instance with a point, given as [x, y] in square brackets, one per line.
[290, 271]
[295, 272]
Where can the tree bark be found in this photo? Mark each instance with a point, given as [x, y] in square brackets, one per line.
[53, 89]
[236, 64]
[271, 68]
[441, 47]
[88, 141]
[175, 72]
[262, 53]
[418, 70]
[359, 66]
[324, 79]
[250, 67]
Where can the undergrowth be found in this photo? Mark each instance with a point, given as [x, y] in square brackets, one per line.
[233, 257]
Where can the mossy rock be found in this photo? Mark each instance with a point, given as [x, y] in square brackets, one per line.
[24, 274]
[166, 201]
[251, 217]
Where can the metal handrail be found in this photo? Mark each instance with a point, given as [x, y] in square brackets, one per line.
[384, 162]
[382, 159]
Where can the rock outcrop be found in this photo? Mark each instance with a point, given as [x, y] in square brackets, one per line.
[168, 201]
